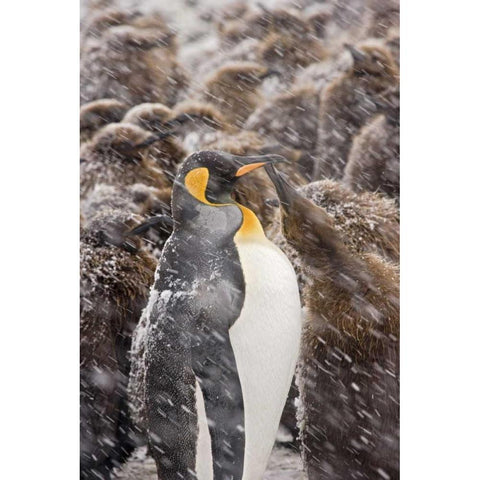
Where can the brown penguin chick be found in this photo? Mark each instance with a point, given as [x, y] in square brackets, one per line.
[236, 27]
[97, 114]
[368, 222]
[100, 20]
[233, 89]
[244, 51]
[287, 54]
[136, 199]
[348, 376]
[149, 116]
[393, 43]
[318, 17]
[290, 119]
[115, 276]
[233, 11]
[167, 152]
[151, 205]
[382, 15]
[117, 155]
[260, 22]
[321, 74]
[374, 160]
[287, 42]
[348, 21]
[133, 64]
[196, 124]
[348, 102]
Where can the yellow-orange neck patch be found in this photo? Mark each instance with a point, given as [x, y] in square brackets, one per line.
[251, 226]
[196, 181]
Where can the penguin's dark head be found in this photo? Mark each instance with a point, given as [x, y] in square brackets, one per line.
[210, 176]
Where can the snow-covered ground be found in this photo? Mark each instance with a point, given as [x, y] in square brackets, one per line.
[285, 464]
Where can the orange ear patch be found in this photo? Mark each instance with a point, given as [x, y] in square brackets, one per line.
[196, 182]
[248, 168]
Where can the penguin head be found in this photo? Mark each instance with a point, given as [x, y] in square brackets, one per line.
[210, 175]
[130, 38]
[372, 59]
[207, 178]
[120, 141]
[96, 114]
[149, 116]
[237, 76]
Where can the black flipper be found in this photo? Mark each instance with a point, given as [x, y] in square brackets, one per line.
[165, 222]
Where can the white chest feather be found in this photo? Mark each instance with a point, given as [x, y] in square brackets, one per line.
[265, 341]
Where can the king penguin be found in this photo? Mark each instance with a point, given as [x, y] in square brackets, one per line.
[223, 330]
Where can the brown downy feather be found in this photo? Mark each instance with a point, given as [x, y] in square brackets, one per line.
[290, 119]
[262, 22]
[287, 54]
[149, 116]
[250, 24]
[393, 43]
[197, 124]
[115, 276]
[135, 63]
[100, 20]
[167, 152]
[368, 222]
[233, 89]
[114, 157]
[136, 199]
[348, 372]
[203, 111]
[318, 17]
[348, 102]
[97, 114]
[374, 160]
[383, 15]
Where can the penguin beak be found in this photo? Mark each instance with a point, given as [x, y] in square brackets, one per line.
[150, 140]
[248, 164]
[357, 55]
[269, 73]
[286, 193]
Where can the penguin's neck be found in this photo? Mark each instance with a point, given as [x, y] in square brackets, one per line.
[251, 229]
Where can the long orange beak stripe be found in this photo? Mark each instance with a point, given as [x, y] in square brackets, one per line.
[248, 168]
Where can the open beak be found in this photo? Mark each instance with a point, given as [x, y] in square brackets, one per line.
[250, 163]
[286, 193]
